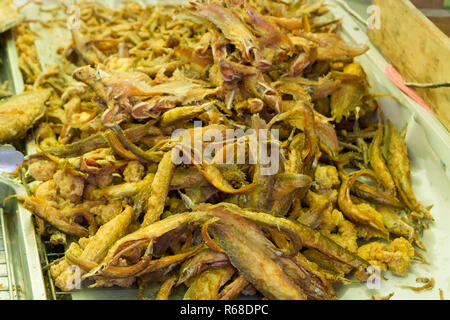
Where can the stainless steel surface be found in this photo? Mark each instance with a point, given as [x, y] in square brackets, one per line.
[5, 281]
[360, 6]
[20, 268]
[10, 63]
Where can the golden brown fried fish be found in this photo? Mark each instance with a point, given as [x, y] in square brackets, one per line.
[20, 112]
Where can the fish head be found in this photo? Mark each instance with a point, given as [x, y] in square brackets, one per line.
[84, 73]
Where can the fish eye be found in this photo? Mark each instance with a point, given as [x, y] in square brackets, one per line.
[78, 74]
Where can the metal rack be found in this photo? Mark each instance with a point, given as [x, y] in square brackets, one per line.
[5, 281]
[47, 257]
[20, 267]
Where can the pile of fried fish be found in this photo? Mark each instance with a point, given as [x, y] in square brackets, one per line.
[104, 186]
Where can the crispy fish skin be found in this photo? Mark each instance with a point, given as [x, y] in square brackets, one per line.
[155, 230]
[202, 260]
[333, 48]
[166, 288]
[299, 234]
[233, 29]
[65, 276]
[78, 148]
[398, 163]
[286, 187]
[301, 116]
[346, 100]
[129, 84]
[211, 172]
[312, 282]
[318, 204]
[107, 234]
[53, 216]
[206, 286]
[395, 224]
[325, 263]
[255, 261]
[84, 50]
[170, 260]
[374, 195]
[20, 112]
[362, 213]
[379, 165]
[233, 289]
[160, 188]
[281, 277]
[95, 141]
[181, 114]
[143, 267]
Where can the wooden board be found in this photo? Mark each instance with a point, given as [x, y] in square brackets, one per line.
[417, 48]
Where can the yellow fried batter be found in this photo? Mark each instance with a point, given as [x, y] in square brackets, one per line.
[397, 257]
[342, 231]
[327, 177]
[19, 113]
